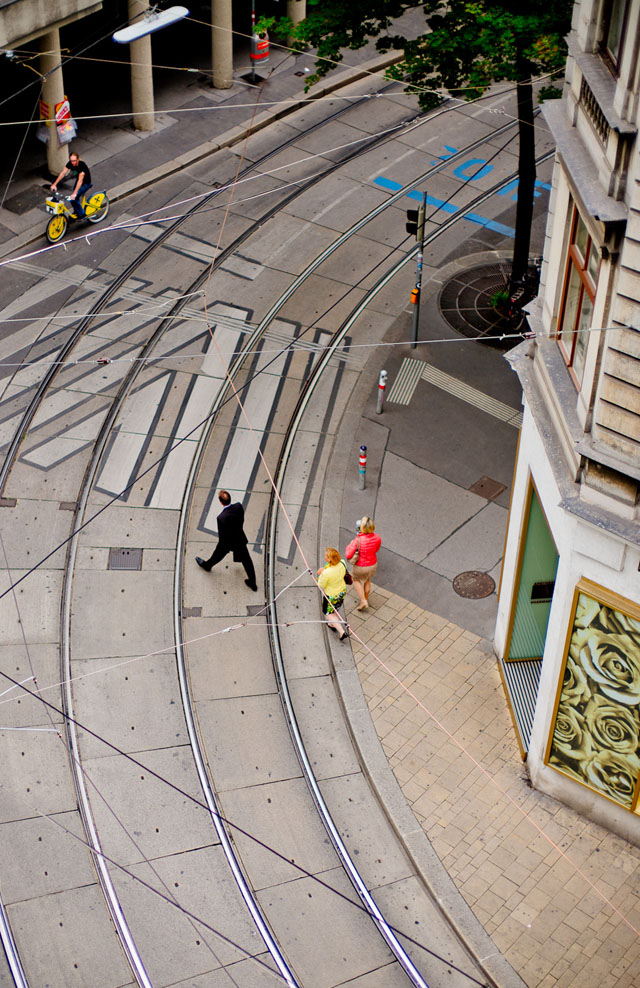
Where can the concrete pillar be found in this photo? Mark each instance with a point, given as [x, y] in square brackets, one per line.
[52, 93]
[141, 73]
[297, 11]
[221, 44]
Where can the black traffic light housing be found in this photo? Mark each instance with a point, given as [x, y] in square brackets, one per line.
[415, 222]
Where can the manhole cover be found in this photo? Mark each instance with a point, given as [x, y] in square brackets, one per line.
[473, 584]
[486, 487]
[125, 558]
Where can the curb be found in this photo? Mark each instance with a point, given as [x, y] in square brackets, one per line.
[227, 139]
[375, 765]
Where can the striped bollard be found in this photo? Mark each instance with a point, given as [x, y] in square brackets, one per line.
[382, 383]
[362, 467]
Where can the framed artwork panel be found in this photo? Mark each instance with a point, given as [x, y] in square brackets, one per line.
[595, 732]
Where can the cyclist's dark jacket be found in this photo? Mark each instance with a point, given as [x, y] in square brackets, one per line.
[77, 169]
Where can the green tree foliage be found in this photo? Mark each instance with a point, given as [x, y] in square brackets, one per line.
[467, 46]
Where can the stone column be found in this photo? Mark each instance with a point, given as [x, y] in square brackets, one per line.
[221, 44]
[141, 73]
[297, 11]
[52, 93]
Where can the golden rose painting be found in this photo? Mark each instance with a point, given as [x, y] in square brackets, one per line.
[596, 737]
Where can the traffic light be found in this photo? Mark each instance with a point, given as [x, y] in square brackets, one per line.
[415, 224]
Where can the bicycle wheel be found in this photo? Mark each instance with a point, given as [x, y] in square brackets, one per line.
[97, 207]
[56, 228]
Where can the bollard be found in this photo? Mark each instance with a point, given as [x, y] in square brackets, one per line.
[362, 467]
[382, 383]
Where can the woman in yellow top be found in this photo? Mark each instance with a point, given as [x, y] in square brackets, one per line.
[331, 581]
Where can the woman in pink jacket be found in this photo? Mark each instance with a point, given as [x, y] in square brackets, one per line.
[366, 544]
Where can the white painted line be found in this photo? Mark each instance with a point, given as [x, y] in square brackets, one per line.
[471, 395]
[402, 389]
[174, 471]
[121, 459]
[66, 444]
[242, 454]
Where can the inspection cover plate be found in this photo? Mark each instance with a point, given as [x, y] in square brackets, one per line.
[473, 584]
[125, 558]
[486, 487]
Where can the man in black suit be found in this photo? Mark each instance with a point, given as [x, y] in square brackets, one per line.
[231, 538]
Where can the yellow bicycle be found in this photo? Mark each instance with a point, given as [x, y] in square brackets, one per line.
[96, 207]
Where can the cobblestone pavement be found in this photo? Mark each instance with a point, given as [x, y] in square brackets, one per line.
[529, 887]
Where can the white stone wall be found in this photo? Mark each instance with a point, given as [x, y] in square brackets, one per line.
[584, 552]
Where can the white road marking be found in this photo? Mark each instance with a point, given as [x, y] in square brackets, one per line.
[411, 371]
[140, 410]
[242, 454]
[71, 441]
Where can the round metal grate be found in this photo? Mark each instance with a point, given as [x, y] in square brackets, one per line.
[466, 303]
[473, 584]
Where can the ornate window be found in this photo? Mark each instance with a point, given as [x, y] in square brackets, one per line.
[579, 292]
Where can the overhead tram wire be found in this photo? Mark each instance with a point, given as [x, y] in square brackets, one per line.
[143, 218]
[61, 64]
[52, 708]
[347, 290]
[152, 466]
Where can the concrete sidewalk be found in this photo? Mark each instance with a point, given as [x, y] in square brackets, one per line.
[520, 863]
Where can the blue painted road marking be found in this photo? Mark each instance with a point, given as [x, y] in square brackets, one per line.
[447, 207]
[512, 188]
[462, 171]
[443, 157]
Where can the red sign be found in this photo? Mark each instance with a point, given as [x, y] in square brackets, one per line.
[63, 111]
[44, 110]
[259, 48]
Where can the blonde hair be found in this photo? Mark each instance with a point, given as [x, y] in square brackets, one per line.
[367, 525]
[332, 556]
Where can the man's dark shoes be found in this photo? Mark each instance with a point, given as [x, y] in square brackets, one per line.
[202, 563]
[252, 586]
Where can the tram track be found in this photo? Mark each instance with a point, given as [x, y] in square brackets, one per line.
[21, 432]
[271, 592]
[250, 340]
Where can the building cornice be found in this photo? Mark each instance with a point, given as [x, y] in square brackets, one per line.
[601, 83]
[523, 359]
[579, 168]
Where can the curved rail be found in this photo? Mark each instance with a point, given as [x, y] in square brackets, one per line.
[9, 944]
[118, 281]
[118, 918]
[109, 891]
[273, 625]
[388, 934]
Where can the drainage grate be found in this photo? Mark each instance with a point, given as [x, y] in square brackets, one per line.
[466, 304]
[486, 487]
[473, 584]
[125, 558]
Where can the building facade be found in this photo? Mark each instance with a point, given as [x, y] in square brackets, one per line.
[568, 627]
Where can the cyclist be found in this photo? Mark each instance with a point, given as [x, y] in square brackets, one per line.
[80, 172]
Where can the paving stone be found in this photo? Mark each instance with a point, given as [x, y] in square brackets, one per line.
[529, 896]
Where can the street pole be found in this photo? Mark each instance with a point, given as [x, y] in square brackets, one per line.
[416, 311]
[253, 34]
